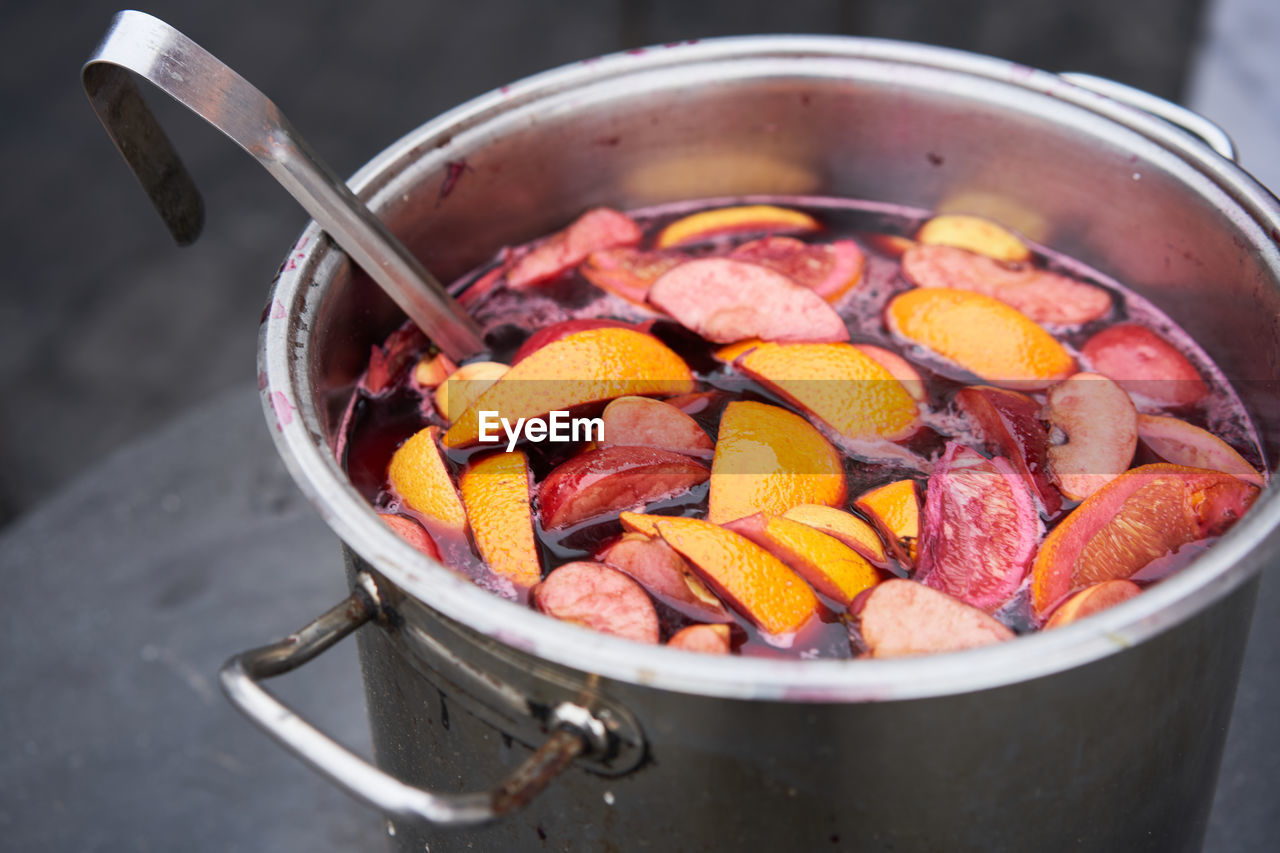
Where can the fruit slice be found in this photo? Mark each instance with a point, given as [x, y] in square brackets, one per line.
[831, 567]
[750, 579]
[1009, 423]
[900, 617]
[465, 385]
[1044, 296]
[899, 368]
[387, 361]
[890, 245]
[709, 639]
[975, 234]
[495, 490]
[980, 529]
[768, 460]
[895, 510]
[563, 329]
[591, 366]
[845, 389]
[654, 565]
[724, 300]
[1091, 600]
[1144, 363]
[418, 475]
[601, 228]
[980, 334]
[627, 272]
[610, 479]
[1145, 513]
[753, 218]
[412, 532]
[1183, 444]
[845, 526]
[729, 354]
[1099, 427]
[431, 370]
[600, 598]
[645, 422]
[828, 269]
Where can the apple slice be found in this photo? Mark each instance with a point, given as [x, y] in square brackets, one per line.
[724, 300]
[601, 228]
[495, 491]
[628, 273]
[1184, 444]
[388, 361]
[465, 385]
[750, 579]
[412, 532]
[417, 473]
[828, 269]
[894, 508]
[746, 219]
[600, 598]
[654, 565]
[1099, 425]
[709, 639]
[844, 388]
[609, 479]
[1044, 296]
[899, 618]
[1144, 514]
[975, 234]
[1009, 422]
[1091, 600]
[768, 460]
[845, 526]
[645, 422]
[591, 366]
[1144, 363]
[831, 567]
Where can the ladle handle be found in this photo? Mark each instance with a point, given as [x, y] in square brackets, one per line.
[574, 731]
[192, 76]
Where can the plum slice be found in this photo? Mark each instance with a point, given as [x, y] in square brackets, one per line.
[980, 529]
[1184, 444]
[611, 479]
[1144, 514]
[709, 639]
[1144, 363]
[601, 228]
[724, 300]
[828, 269]
[1010, 423]
[1099, 427]
[658, 568]
[645, 422]
[1044, 296]
[600, 598]
[1091, 600]
[627, 272]
[900, 617]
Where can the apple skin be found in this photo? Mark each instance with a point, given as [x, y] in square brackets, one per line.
[611, 479]
[1010, 423]
[598, 597]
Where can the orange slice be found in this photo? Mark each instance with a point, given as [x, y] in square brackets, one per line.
[729, 354]
[747, 218]
[769, 460]
[1091, 600]
[418, 474]
[980, 334]
[1142, 515]
[839, 385]
[895, 508]
[975, 234]
[845, 526]
[495, 490]
[590, 366]
[754, 582]
[831, 567]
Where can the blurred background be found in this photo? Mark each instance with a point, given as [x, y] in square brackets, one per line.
[109, 330]
[142, 551]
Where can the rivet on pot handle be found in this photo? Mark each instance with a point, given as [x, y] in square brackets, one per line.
[1190, 121]
[575, 730]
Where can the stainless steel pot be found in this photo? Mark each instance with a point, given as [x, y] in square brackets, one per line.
[1104, 735]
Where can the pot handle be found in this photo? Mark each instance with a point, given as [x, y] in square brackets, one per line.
[1188, 120]
[575, 731]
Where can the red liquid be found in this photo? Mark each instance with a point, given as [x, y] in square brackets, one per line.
[378, 424]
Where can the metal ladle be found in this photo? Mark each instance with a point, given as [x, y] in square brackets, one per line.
[192, 76]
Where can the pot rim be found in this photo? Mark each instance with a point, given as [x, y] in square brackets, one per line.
[292, 414]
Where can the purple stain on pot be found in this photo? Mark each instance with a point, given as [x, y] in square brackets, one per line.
[453, 173]
[277, 310]
[636, 51]
[283, 409]
[262, 380]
